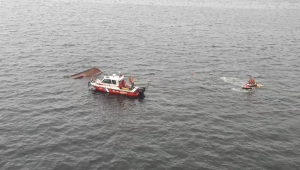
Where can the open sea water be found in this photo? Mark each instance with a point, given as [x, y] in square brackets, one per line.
[192, 55]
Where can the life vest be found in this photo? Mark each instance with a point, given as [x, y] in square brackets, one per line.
[251, 81]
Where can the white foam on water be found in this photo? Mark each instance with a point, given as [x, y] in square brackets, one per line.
[232, 80]
[238, 83]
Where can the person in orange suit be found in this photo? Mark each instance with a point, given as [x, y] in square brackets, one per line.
[252, 82]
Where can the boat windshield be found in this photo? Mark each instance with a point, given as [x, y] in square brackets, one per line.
[107, 81]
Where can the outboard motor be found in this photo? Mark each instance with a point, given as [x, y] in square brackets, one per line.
[141, 91]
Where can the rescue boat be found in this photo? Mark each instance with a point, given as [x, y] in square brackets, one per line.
[116, 84]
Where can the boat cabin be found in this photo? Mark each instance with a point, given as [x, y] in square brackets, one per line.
[112, 81]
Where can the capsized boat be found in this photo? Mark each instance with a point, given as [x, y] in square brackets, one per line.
[86, 73]
[116, 84]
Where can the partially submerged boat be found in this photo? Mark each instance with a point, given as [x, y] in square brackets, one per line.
[116, 84]
[86, 73]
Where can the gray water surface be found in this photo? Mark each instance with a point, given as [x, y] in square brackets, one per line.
[200, 121]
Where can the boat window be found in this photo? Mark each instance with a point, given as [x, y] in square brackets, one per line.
[114, 82]
[107, 81]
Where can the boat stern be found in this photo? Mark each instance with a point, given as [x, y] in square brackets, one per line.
[142, 91]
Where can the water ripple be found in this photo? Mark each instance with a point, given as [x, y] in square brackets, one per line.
[192, 56]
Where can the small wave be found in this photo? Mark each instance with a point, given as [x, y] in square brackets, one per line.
[68, 45]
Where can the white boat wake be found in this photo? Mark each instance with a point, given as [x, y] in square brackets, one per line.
[233, 81]
[238, 83]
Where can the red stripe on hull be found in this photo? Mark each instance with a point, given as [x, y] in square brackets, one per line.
[135, 93]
